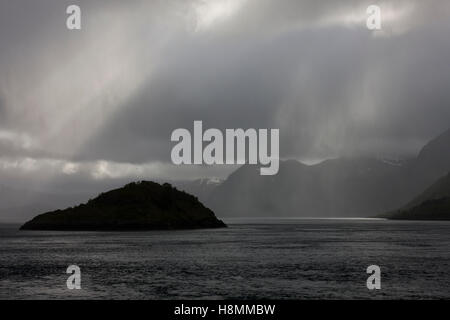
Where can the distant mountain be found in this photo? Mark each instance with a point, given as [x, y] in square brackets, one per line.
[438, 190]
[339, 187]
[432, 162]
[202, 188]
[137, 206]
[432, 204]
[345, 187]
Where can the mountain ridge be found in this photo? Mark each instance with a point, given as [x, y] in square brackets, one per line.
[431, 204]
[341, 187]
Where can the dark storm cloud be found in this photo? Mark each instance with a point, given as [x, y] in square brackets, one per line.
[330, 91]
[2, 111]
[117, 89]
[226, 84]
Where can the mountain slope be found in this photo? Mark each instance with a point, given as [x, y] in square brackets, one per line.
[340, 187]
[346, 187]
[432, 162]
[137, 206]
[432, 204]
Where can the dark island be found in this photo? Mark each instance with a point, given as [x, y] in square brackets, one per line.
[137, 206]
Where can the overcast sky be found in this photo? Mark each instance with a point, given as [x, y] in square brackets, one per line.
[84, 107]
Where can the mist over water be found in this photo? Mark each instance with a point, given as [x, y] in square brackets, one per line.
[288, 259]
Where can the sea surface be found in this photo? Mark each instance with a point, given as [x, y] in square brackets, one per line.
[252, 259]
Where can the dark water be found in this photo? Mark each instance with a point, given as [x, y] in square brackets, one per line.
[291, 260]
